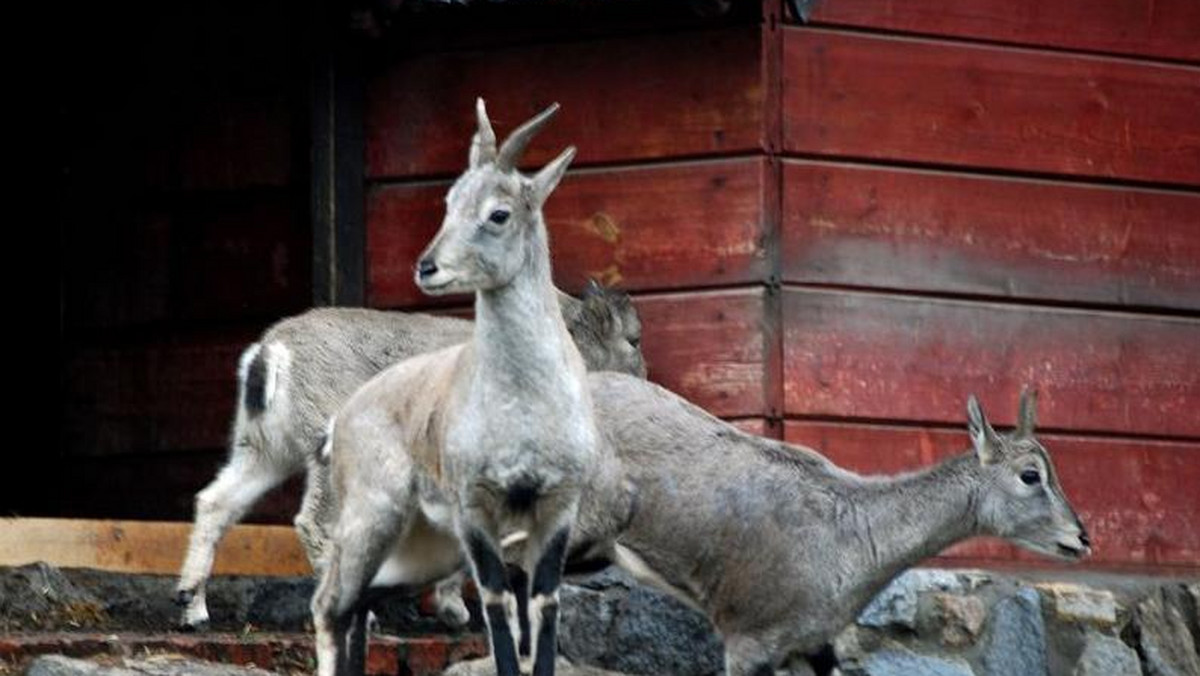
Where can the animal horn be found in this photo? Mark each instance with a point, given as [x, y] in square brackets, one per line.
[514, 145]
[483, 146]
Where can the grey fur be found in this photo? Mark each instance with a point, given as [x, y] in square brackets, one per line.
[779, 547]
[427, 454]
[333, 352]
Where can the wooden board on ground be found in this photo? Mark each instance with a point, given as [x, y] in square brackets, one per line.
[153, 547]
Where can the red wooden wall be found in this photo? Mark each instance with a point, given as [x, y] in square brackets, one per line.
[836, 232]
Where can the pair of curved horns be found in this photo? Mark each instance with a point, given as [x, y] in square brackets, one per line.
[484, 146]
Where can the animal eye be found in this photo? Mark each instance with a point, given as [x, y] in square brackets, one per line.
[635, 341]
[1030, 477]
[499, 217]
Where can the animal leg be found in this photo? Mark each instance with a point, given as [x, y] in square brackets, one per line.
[366, 529]
[546, 556]
[244, 479]
[311, 521]
[499, 604]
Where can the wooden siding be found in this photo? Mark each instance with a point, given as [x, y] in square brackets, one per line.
[916, 212]
[643, 228]
[968, 105]
[1164, 29]
[863, 225]
[631, 98]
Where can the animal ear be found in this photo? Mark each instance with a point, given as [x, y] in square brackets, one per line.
[983, 437]
[593, 288]
[1027, 413]
[483, 145]
[547, 179]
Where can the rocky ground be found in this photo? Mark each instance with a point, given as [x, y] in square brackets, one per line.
[927, 623]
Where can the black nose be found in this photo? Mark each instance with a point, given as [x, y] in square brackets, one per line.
[1083, 537]
[426, 268]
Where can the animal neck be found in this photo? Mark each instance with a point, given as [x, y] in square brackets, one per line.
[914, 516]
[519, 329]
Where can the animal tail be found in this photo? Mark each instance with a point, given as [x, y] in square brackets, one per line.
[260, 371]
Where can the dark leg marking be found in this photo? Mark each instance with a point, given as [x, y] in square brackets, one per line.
[547, 576]
[518, 581]
[492, 577]
[356, 642]
[502, 642]
[547, 646]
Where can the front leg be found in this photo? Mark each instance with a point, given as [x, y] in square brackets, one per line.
[499, 604]
[547, 557]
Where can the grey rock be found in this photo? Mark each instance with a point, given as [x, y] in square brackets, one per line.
[562, 667]
[1167, 647]
[40, 596]
[960, 618]
[895, 662]
[1017, 641]
[1077, 604]
[897, 603]
[1106, 656]
[163, 665]
[611, 622]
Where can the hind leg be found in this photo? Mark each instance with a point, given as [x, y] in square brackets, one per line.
[240, 483]
[366, 529]
[312, 519]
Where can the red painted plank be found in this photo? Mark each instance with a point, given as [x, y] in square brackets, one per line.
[933, 231]
[696, 224]
[1137, 498]
[912, 100]
[1168, 29]
[157, 396]
[709, 347]
[884, 357]
[693, 93]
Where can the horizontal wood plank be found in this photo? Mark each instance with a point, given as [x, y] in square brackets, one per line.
[932, 231]
[688, 94]
[152, 547]
[1136, 498]
[861, 355]
[151, 396]
[1167, 29]
[708, 347]
[920, 101]
[694, 224]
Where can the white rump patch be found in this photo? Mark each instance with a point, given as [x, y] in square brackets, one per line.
[248, 356]
[279, 360]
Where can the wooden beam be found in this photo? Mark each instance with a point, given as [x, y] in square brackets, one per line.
[154, 547]
[337, 191]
